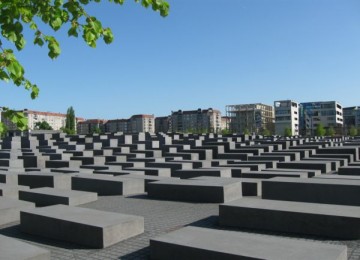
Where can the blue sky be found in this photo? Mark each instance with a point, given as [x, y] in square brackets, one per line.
[206, 53]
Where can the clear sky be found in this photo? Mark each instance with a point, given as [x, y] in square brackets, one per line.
[206, 53]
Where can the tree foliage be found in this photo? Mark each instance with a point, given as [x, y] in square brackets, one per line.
[287, 132]
[320, 130]
[246, 131]
[353, 131]
[37, 14]
[330, 131]
[265, 132]
[43, 125]
[70, 123]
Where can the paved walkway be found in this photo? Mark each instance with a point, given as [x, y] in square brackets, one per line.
[160, 217]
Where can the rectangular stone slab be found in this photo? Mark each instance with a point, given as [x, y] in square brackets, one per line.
[216, 172]
[349, 170]
[50, 196]
[13, 249]
[39, 180]
[335, 221]
[316, 165]
[89, 227]
[268, 175]
[315, 190]
[216, 190]
[10, 209]
[11, 191]
[249, 186]
[107, 185]
[202, 243]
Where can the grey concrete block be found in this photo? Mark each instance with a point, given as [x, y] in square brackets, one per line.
[13, 249]
[325, 167]
[216, 190]
[10, 209]
[11, 191]
[349, 170]
[8, 177]
[39, 180]
[89, 227]
[50, 196]
[215, 172]
[310, 173]
[315, 190]
[107, 185]
[335, 221]
[202, 243]
[272, 174]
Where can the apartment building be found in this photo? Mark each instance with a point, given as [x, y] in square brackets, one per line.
[286, 116]
[163, 124]
[250, 117]
[135, 124]
[90, 125]
[328, 113]
[118, 125]
[200, 120]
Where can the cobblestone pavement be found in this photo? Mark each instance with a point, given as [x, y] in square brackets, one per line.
[160, 217]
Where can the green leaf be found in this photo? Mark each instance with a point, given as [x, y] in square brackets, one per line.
[56, 23]
[15, 69]
[34, 92]
[20, 43]
[4, 76]
[73, 32]
[108, 36]
[38, 41]
[33, 26]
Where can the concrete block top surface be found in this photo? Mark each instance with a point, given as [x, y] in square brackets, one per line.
[13, 249]
[58, 192]
[316, 181]
[249, 180]
[300, 207]
[84, 216]
[252, 245]
[6, 203]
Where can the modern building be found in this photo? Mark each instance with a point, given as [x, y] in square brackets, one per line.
[55, 120]
[250, 117]
[327, 113]
[286, 116]
[163, 124]
[196, 121]
[135, 124]
[351, 117]
[90, 126]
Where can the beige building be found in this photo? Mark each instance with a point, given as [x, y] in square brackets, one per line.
[55, 120]
[250, 117]
[206, 120]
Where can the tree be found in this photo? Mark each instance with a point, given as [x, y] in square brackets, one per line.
[16, 14]
[330, 131]
[353, 131]
[96, 130]
[70, 123]
[246, 131]
[320, 130]
[265, 132]
[43, 125]
[287, 132]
